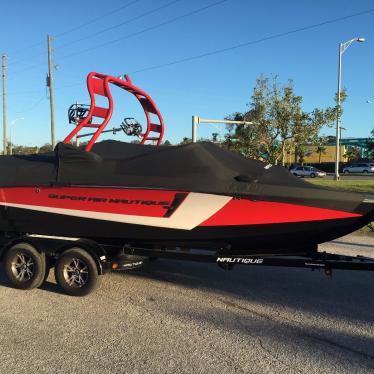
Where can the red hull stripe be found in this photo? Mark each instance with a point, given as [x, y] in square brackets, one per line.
[148, 203]
[246, 212]
[170, 209]
[150, 207]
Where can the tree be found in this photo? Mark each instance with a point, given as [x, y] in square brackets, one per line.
[24, 150]
[279, 123]
[242, 138]
[185, 140]
[321, 149]
[215, 137]
[339, 110]
[166, 142]
[47, 147]
[259, 139]
[371, 145]
[352, 154]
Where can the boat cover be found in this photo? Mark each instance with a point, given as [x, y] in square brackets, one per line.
[197, 167]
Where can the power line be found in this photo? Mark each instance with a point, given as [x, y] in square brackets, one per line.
[120, 24]
[89, 36]
[31, 107]
[63, 33]
[31, 67]
[15, 62]
[38, 91]
[69, 85]
[222, 50]
[95, 19]
[144, 30]
[251, 42]
[17, 51]
[23, 92]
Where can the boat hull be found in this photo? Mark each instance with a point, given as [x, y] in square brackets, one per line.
[157, 218]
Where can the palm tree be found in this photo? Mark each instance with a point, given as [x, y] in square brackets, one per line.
[320, 150]
[185, 140]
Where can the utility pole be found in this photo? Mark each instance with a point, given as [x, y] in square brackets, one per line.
[338, 131]
[50, 85]
[342, 48]
[3, 63]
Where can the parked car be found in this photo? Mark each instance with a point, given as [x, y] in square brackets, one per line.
[359, 168]
[307, 171]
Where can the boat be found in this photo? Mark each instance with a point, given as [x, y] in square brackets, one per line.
[197, 195]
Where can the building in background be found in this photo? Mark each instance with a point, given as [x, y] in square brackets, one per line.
[315, 156]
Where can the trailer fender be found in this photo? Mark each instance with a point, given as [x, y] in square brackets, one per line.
[12, 241]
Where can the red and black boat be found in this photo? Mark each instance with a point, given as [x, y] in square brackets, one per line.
[196, 195]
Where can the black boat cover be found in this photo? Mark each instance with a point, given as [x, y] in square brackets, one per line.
[198, 167]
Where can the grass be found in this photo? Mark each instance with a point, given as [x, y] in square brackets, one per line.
[346, 185]
[349, 185]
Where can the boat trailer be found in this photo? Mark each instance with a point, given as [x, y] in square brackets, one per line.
[79, 263]
[313, 260]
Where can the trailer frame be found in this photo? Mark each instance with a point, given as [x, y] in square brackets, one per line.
[108, 257]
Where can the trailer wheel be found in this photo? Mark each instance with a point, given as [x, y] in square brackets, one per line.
[25, 267]
[76, 272]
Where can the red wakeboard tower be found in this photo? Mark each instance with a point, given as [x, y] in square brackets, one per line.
[98, 117]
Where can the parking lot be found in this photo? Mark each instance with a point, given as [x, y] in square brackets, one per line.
[190, 317]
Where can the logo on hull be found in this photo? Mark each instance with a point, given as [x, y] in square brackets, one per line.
[165, 204]
[239, 260]
[171, 206]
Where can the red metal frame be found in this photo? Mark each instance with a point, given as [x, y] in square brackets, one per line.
[99, 84]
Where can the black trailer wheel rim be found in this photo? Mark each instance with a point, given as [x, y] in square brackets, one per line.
[76, 273]
[23, 267]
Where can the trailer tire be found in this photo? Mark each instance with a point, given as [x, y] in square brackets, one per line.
[25, 266]
[76, 272]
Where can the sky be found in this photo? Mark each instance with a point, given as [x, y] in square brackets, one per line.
[196, 57]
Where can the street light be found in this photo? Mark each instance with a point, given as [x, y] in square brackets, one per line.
[10, 133]
[342, 48]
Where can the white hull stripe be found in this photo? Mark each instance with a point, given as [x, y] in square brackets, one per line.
[195, 209]
[370, 201]
[53, 237]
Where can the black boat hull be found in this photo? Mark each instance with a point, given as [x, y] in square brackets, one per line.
[161, 218]
[270, 238]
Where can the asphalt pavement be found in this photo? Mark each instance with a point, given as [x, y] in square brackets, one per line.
[181, 317]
